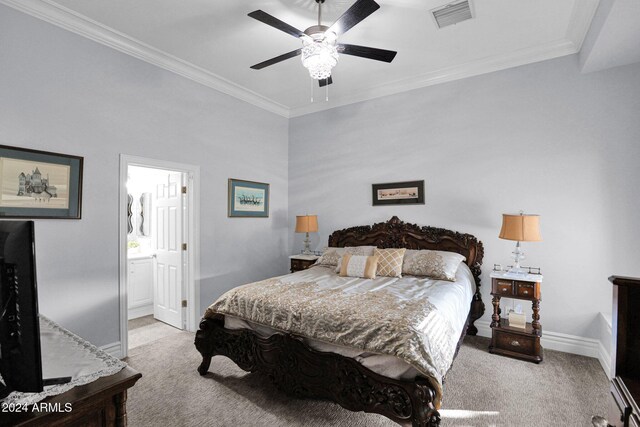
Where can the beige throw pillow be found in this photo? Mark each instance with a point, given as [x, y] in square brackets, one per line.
[439, 265]
[390, 262]
[358, 266]
[331, 256]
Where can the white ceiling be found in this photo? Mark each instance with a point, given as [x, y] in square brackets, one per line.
[215, 42]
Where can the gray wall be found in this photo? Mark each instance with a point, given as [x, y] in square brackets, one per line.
[542, 138]
[60, 92]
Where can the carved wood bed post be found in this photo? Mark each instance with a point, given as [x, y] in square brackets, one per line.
[303, 372]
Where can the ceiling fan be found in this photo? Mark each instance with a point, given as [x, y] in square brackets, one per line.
[320, 47]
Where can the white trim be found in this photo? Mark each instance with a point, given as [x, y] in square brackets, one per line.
[49, 11]
[77, 23]
[556, 341]
[141, 311]
[604, 348]
[114, 349]
[192, 275]
[605, 359]
[581, 18]
[470, 69]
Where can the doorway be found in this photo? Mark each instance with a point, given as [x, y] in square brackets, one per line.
[158, 249]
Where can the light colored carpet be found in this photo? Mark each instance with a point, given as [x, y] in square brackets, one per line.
[146, 330]
[141, 322]
[481, 390]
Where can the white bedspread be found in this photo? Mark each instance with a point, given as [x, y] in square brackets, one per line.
[452, 299]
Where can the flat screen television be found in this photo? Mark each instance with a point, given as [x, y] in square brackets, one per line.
[20, 358]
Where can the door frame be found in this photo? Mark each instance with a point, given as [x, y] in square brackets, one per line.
[191, 218]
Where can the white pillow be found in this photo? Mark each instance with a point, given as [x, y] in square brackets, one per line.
[358, 266]
[439, 265]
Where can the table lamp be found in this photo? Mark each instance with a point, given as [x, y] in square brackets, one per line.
[521, 228]
[307, 224]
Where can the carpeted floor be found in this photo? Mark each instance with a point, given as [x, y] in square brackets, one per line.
[481, 390]
[145, 330]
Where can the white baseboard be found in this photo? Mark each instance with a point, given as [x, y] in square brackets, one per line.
[606, 340]
[605, 359]
[557, 341]
[114, 349]
[135, 312]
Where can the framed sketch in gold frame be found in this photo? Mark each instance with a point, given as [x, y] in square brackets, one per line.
[248, 199]
[39, 184]
[398, 193]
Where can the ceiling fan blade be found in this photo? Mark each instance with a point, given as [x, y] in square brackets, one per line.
[367, 52]
[356, 13]
[324, 82]
[277, 59]
[276, 23]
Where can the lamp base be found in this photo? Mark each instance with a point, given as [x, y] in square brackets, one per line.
[307, 246]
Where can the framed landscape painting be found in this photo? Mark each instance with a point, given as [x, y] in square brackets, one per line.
[248, 198]
[398, 193]
[39, 184]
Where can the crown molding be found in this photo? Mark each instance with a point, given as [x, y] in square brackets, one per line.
[581, 18]
[470, 69]
[70, 20]
[53, 13]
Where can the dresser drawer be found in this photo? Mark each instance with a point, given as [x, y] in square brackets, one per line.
[503, 287]
[515, 342]
[301, 264]
[525, 289]
[296, 264]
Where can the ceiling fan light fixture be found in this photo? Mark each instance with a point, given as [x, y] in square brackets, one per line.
[319, 57]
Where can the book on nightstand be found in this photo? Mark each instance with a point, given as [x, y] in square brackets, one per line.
[517, 320]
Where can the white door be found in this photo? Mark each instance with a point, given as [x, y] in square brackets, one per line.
[167, 305]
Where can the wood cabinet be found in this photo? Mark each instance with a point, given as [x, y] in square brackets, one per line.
[624, 410]
[509, 340]
[302, 262]
[99, 403]
[140, 282]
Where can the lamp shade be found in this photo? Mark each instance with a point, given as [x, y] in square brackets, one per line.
[307, 224]
[521, 227]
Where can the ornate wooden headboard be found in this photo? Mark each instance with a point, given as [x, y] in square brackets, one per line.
[398, 234]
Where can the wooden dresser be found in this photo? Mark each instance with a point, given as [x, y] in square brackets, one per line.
[99, 403]
[625, 357]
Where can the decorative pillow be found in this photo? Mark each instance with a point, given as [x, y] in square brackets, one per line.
[390, 262]
[331, 256]
[358, 266]
[439, 265]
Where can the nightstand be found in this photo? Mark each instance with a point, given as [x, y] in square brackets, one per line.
[302, 262]
[508, 340]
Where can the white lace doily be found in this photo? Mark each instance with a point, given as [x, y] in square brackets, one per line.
[65, 354]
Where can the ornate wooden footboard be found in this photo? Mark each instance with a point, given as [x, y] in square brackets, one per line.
[297, 369]
[300, 371]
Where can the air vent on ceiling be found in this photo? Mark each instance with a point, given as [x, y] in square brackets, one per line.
[452, 13]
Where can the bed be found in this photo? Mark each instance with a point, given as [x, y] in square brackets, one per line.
[399, 385]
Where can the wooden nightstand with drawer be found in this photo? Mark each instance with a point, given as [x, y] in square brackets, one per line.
[509, 340]
[302, 262]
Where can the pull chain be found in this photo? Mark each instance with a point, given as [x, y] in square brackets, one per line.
[327, 91]
[311, 87]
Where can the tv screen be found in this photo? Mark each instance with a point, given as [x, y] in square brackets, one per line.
[20, 358]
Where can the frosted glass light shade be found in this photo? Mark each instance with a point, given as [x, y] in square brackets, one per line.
[521, 227]
[319, 57]
[307, 224]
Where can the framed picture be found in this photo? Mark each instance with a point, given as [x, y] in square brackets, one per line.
[398, 193]
[248, 198]
[39, 184]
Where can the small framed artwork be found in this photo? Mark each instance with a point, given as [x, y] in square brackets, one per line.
[248, 198]
[39, 184]
[398, 193]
